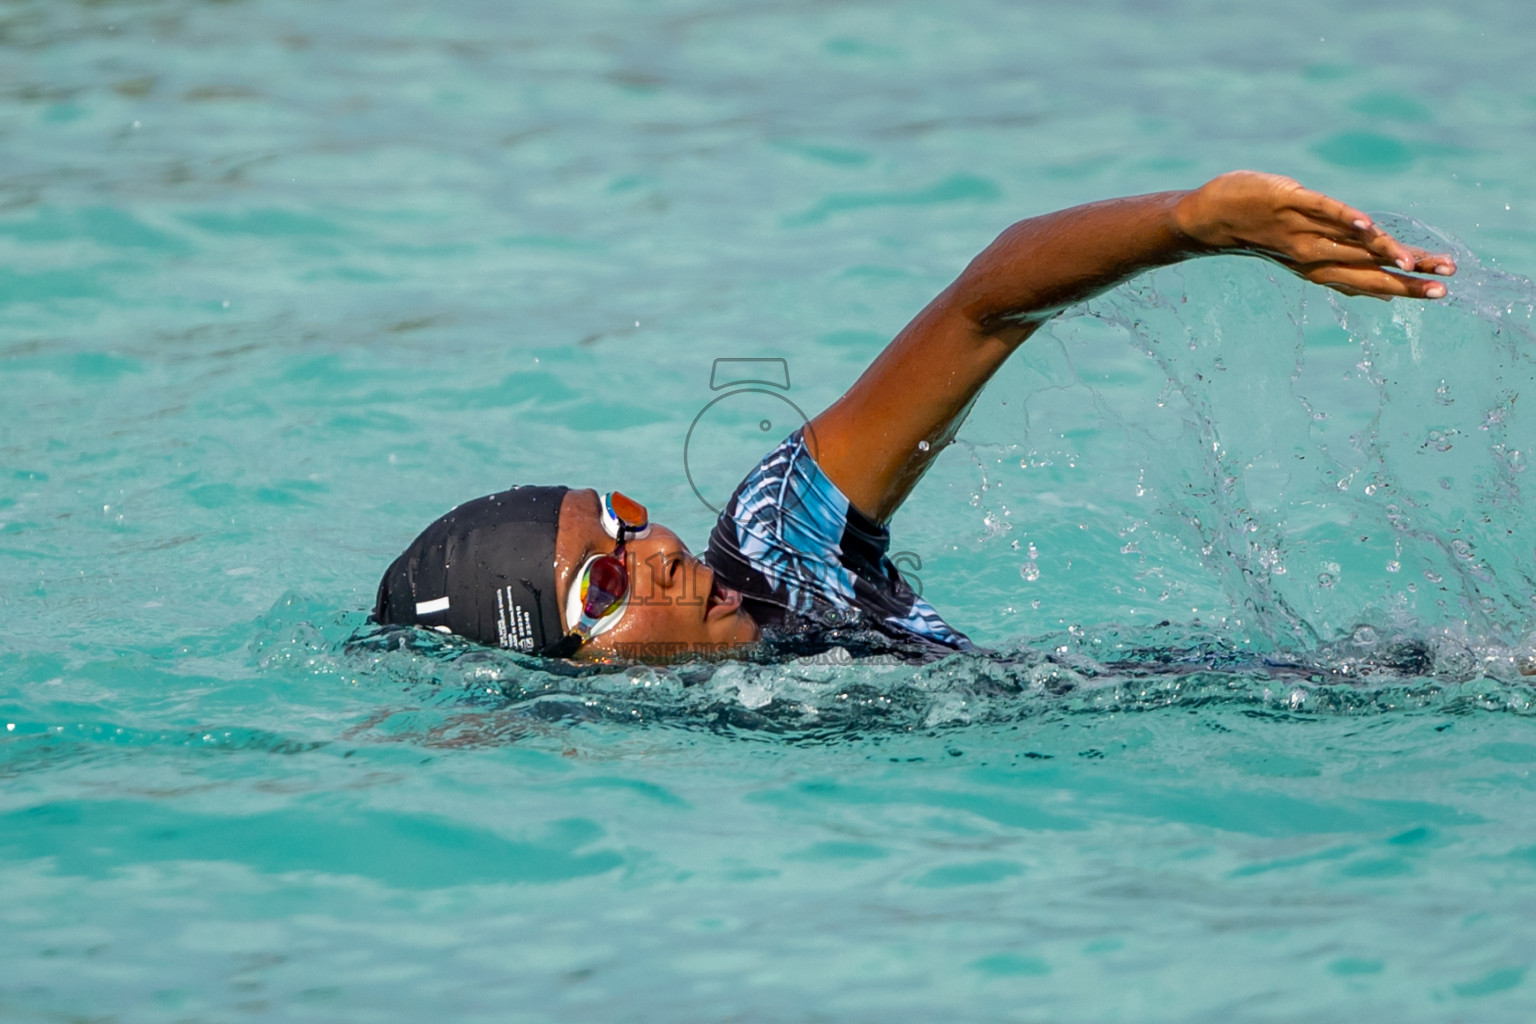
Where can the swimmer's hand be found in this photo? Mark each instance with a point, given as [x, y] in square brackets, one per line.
[1314, 236]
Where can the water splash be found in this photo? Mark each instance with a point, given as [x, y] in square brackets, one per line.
[1322, 461]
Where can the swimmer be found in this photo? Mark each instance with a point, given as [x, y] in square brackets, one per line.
[798, 555]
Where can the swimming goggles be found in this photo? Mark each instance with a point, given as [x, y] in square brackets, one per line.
[600, 592]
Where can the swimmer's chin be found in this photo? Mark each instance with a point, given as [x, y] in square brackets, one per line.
[743, 638]
[670, 652]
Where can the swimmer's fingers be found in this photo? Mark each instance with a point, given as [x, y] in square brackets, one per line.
[1325, 247]
[1354, 279]
[1332, 217]
[1353, 229]
[1426, 262]
[1354, 235]
[1361, 240]
[1314, 244]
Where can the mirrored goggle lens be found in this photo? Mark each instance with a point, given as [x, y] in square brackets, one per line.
[603, 586]
[628, 511]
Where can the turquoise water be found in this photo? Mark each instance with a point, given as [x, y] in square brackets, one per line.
[283, 281]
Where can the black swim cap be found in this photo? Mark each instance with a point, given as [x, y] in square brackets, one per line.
[485, 571]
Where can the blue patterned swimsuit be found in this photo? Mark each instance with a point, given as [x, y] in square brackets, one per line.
[812, 569]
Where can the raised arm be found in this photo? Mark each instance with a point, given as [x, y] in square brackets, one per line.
[877, 440]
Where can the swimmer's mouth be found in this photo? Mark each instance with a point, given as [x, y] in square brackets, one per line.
[722, 601]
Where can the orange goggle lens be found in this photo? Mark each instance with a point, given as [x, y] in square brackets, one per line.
[624, 517]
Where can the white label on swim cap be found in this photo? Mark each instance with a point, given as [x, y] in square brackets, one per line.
[518, 632]
[429, 607]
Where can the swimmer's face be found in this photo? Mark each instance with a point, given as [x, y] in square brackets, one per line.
[675, 605]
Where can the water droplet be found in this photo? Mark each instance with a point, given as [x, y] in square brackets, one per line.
[1325, 580]
[1432, 576]
[1393, 566]
[1030, 571]
[922, 446]
[1034, 552]
[1365, 636]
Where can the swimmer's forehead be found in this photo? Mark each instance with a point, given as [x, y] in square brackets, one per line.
[581, 511]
